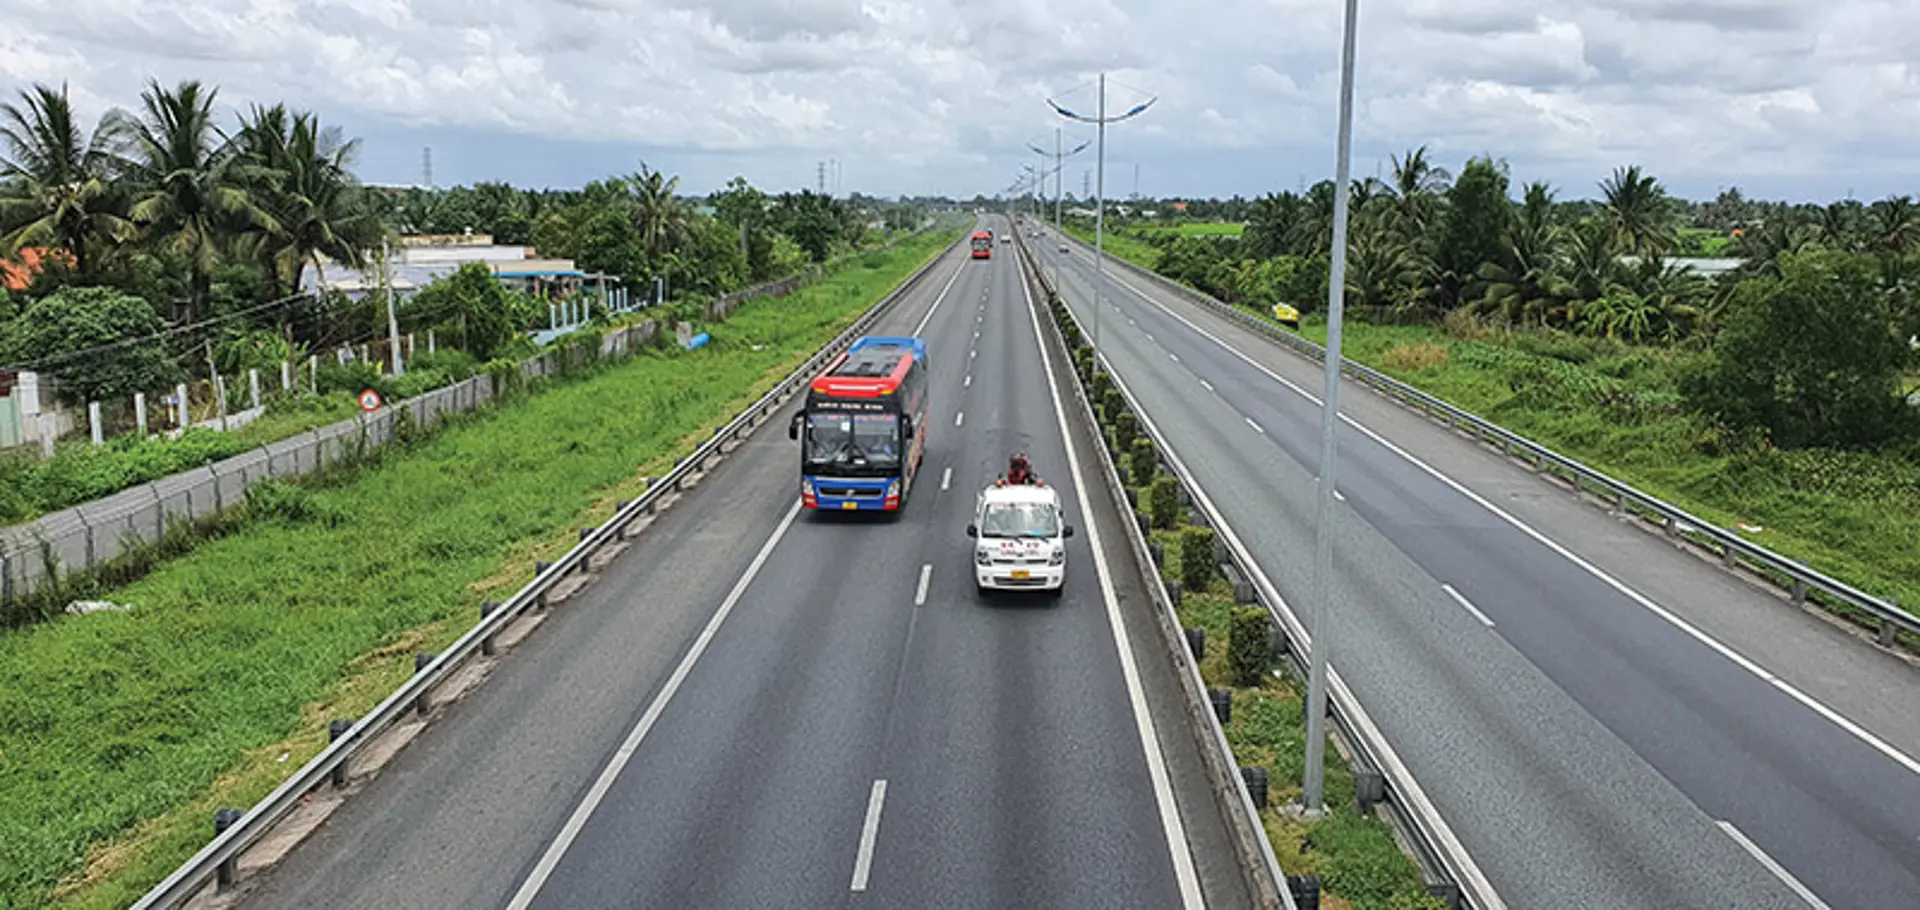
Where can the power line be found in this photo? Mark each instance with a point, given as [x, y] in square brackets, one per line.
[157, 336]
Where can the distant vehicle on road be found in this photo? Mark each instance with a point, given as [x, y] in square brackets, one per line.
[982, 244]
[862, 430]
[1021, 540]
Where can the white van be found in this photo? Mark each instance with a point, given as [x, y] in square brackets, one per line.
[1021, 540]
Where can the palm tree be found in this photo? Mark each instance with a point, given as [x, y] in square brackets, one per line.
[1638, 211]
[658, 213]
[189, 187]
[59, 186]
[302, 177]
[1895, 223]
[1523, 287]
[1273, 224]
[1416, 188]
[1380, 268]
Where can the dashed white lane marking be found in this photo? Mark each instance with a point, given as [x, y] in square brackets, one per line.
[1462, 600]
[869, 833]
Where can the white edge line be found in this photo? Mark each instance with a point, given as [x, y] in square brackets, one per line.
[1462, 600]
[1170, 821]
[1836, 718]
[926, 576]
[936, 301]
[1780, 872]
[550, 860]
[946, 478]
[869, 832]
[1407, 787]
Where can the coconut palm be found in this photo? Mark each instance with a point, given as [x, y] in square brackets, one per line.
[59, 185]
[658, 213]
[1895, 225]
[190, 192]
[1523, 286]
[301, 176]
[1638, 211]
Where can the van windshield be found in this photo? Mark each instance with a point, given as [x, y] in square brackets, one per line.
[1022, 519]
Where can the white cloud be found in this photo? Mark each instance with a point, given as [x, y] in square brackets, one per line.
[1796, 96]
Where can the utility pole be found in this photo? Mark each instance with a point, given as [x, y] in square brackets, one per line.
[820, 178]
[393, 322]
[1320, 646]
[426, 166]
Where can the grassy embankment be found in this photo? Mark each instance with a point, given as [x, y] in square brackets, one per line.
[121, 732]
[1616, 407]
[1359, 862]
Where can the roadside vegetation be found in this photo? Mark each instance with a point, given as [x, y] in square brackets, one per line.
[120, 732]
[1355, 856]
[158, 246]
[1775, 397]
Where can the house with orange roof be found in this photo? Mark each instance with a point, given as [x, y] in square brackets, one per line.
[17, 271]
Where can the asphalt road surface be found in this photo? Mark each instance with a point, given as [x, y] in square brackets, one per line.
[760, 707]
[1603, 720]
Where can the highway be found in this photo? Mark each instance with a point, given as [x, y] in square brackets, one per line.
[756, 706]
[1602, 719]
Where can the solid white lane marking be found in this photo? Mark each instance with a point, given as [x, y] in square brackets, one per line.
[936, 301]
[1255, 426]
[1780, 872]
[869, 832]
[1812, 704]
[578, 820]
[926, 576]
[1170, 822]
[946, 477]
[1462, 600]
[1415, 796]
[959, 417]
[1206, 385]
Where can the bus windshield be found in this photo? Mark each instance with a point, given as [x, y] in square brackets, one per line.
[853, 441]
[1022, 519]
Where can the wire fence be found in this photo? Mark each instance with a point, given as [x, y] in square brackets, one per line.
[116, 528]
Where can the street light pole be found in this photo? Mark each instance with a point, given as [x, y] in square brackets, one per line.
[1059, 171]
[1100, 196]
[1319, 653]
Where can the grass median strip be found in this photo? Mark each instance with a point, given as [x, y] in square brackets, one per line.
[120, 732]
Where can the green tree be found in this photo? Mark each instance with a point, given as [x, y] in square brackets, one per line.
[1638, 211]
[810, 219]
[118, 333]
[609, 242]
[1471, 229]
[190, 188]
[57, 186]
[1813, 357]
[301, 175]
[480, 314]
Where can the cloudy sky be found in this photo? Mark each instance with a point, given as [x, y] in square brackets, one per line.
[1802, 99]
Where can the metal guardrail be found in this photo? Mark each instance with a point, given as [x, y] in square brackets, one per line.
[243, 833]
[1259, 863]
[1412, 813]
[1884, 615]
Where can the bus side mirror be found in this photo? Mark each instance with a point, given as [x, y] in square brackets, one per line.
[906, 428]
[793, 426]
[1066, 531]
[973, 531]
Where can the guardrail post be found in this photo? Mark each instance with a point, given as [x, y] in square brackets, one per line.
[1256, 780]
[540, 567]
[1729, 556]
[1799, 591]
[1448, 894]
[1222, 700]
[222, 820]
[1369, 787]
[425, 702]
[1889, 633]
[1306, 891]
[618, 508]
[335, 729]
[487, 608]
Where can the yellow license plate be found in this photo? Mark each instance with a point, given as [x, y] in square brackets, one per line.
[1021, 575]
[849, 504]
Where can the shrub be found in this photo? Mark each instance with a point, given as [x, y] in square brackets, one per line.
[352, 378]
[1249, 645]
[1125, 429]
[1102, 384]
[1196, 558]
[1164, 501]
[1143, 462]
[1413, 358]
[455, 363]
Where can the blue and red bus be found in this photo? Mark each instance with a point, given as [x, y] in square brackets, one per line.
[982, 244]
[863, 430]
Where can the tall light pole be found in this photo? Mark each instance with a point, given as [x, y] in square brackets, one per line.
[1100, 197]
[1059, 170]
[1320, 630]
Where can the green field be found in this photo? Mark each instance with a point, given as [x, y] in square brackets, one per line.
[1196, 229]
[121, 732]
[1120, 245]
